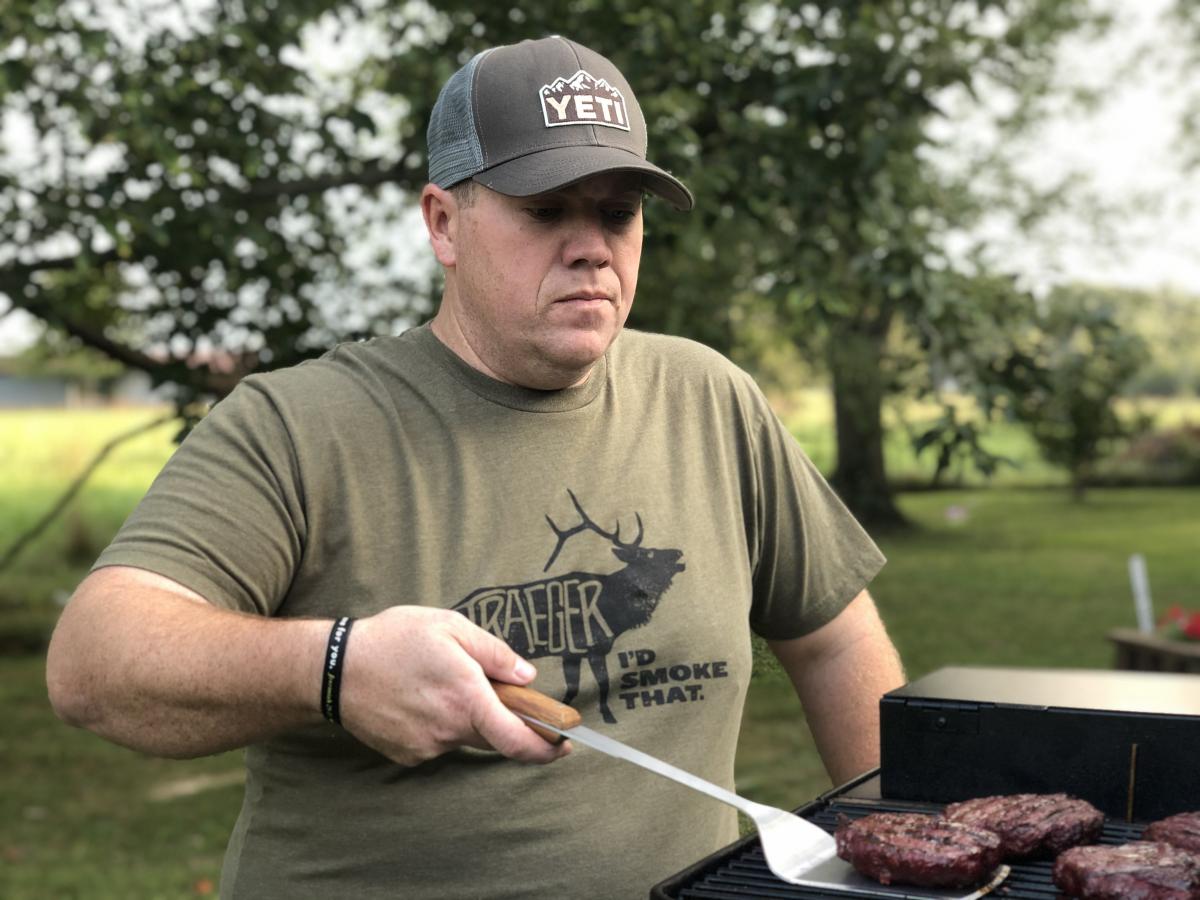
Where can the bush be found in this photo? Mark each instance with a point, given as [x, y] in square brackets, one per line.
[1080, 358]
[1158, 381]
[1168, 457]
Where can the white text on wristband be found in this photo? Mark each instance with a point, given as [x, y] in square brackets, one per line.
[331, 680]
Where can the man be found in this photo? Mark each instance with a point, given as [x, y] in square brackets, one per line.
[511, 483]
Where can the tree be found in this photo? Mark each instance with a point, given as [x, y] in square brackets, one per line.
[1184, 16]
[1084, 358]
[867, 215]
[185, 185]
[198, 184]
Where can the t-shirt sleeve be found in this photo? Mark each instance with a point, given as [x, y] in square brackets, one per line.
[813, 556]
[225, 517]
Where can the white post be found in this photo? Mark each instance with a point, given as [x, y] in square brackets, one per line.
[1140, 582]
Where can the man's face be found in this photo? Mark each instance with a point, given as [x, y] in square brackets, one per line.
[540, 286]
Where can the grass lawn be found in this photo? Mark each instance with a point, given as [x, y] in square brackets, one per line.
[1007, 577]
[86, 819]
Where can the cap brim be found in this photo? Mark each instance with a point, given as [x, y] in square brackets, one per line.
[557, 167]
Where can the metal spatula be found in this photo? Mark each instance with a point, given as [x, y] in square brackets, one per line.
[796, 850]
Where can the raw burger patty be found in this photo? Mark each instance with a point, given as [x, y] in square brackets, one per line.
[1181, 831]
[911, 848]
[1032, 824]
[1139, 871]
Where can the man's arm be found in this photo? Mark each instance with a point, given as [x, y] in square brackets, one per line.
[840, 671]
[149, 664]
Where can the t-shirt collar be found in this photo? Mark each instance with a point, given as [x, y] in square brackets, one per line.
[511, 395]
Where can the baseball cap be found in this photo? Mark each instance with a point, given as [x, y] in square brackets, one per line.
[536, 116]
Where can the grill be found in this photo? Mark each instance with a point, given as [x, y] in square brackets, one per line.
[739, 871]
[1124, 741]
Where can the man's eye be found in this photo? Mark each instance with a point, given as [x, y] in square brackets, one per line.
[543, 213]
[621, 216]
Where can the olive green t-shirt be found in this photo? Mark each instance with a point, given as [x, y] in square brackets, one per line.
[625, 535]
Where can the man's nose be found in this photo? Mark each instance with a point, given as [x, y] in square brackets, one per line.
[586, 243]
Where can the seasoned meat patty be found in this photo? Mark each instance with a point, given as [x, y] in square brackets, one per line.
[911, 848]
[1143, 870]
[1032, 825]
[1182, 830]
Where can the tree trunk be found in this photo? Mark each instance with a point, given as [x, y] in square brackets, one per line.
[860, 479]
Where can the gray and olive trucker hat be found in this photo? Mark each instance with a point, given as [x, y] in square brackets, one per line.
[539, 115]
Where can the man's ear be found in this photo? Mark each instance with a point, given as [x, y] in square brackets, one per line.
[440, 211]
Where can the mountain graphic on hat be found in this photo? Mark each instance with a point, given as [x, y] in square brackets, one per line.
[581, 83]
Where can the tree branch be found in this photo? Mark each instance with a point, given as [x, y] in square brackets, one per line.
[13, 279]
[95, 338]
[16, 274]
[368, 177]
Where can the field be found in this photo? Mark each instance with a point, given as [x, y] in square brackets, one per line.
[1018, 576]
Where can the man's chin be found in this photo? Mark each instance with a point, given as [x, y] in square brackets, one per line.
[574, 355]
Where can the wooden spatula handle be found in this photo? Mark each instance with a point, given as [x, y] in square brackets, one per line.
[535, 703]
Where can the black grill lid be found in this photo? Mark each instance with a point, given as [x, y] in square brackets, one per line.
[1092, 689]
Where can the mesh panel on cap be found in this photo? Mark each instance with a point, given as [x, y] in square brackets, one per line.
[454, 151]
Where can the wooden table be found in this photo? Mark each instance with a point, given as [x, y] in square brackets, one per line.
[1151, 653]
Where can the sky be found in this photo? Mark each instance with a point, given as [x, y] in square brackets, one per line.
[1127, 149]
[1132, 156]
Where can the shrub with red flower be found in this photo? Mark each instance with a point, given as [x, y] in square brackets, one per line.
[1179, 624]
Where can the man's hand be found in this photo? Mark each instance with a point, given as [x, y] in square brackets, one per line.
[147, 663]
[415, 685]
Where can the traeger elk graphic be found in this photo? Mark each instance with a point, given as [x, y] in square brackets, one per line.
[577, 616]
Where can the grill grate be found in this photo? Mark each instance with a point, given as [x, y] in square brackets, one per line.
[740, 872]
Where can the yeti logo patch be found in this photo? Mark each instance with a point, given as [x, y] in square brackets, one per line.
[583, 100]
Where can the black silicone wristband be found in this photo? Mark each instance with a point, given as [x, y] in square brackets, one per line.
[331, 678]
